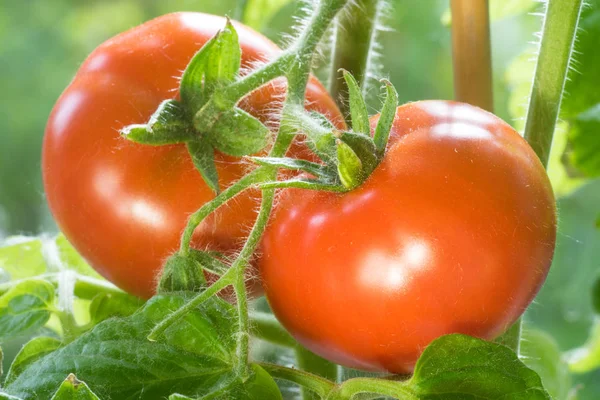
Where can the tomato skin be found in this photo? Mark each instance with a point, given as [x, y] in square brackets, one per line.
[124, 205]
[454, 232]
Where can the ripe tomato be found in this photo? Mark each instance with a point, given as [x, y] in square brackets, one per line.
[124, 205]
[453, 232]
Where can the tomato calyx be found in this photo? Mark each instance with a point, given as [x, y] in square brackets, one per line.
[232, 131]
[348, 157]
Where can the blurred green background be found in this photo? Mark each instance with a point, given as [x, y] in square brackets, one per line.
[42, 43]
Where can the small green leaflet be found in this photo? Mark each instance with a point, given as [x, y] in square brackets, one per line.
[116, 361]
[25, 307]
[238, 133]
[350, 167]
[74, 389]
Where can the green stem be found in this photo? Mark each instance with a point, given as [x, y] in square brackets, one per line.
[559, 31]
[227, 279]
[196, 219]
[512, 337]
[320, 386]
[354, 36]
[310, 362]
[264, 326]
[69, 327]
[352, 387]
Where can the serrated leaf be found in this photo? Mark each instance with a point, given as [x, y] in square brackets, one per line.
[350, 168]
[358, 107]
[74, 389]
[168, 125]
[386, 119]
[25, 307]
[203, 156]
[238, 133]
[33, 350]
[293, 164]
[108, 305]
[540, 352]
[116, 360]
[463, 367]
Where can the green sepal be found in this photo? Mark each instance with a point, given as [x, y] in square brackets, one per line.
[203, 156]
[318, 130]
[358, 107]
[216, 63]
[168, 125]
[238, 133]
[365, 149]
[181, 273]
[350, 167]
[293, 164]
[74, 389]
[386, 118]
[210, 261]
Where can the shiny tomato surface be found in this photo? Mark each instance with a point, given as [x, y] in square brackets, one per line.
[454, 232]
[124, 205]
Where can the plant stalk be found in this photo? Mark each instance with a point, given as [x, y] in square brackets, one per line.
[559, 32]
[354, 35]
[471, 53]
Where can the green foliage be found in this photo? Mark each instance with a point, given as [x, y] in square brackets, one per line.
[31, 352]
[181, 272]
[358, 108]
[26, 307]
[115, 359]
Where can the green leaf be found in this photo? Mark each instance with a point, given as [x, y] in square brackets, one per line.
[386, 118]
[463, 367]
[293, 164]
[25, 307]
[31, 352]
[203, 156]
[350, 168]
[74, 389]
[358, 107]
[540, 352]
[5, 396]
[564, 306]
[215, 64]
[116, 360]
[168, 125]
[108, 305]
[584, 142]
[238, 133]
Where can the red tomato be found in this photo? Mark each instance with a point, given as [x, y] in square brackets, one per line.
[454, 232]
[124, 205]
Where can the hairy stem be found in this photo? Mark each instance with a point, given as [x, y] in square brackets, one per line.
[559, 31]
[512, 337]
[196, 218]
[471, 53]
[320, 386]
[352, 387]
[354, 36]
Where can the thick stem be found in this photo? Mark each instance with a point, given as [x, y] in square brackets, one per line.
[559, 31]
[316, 384]
[352, 48]
[264, 326]
[471, 53]
[314, 364]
